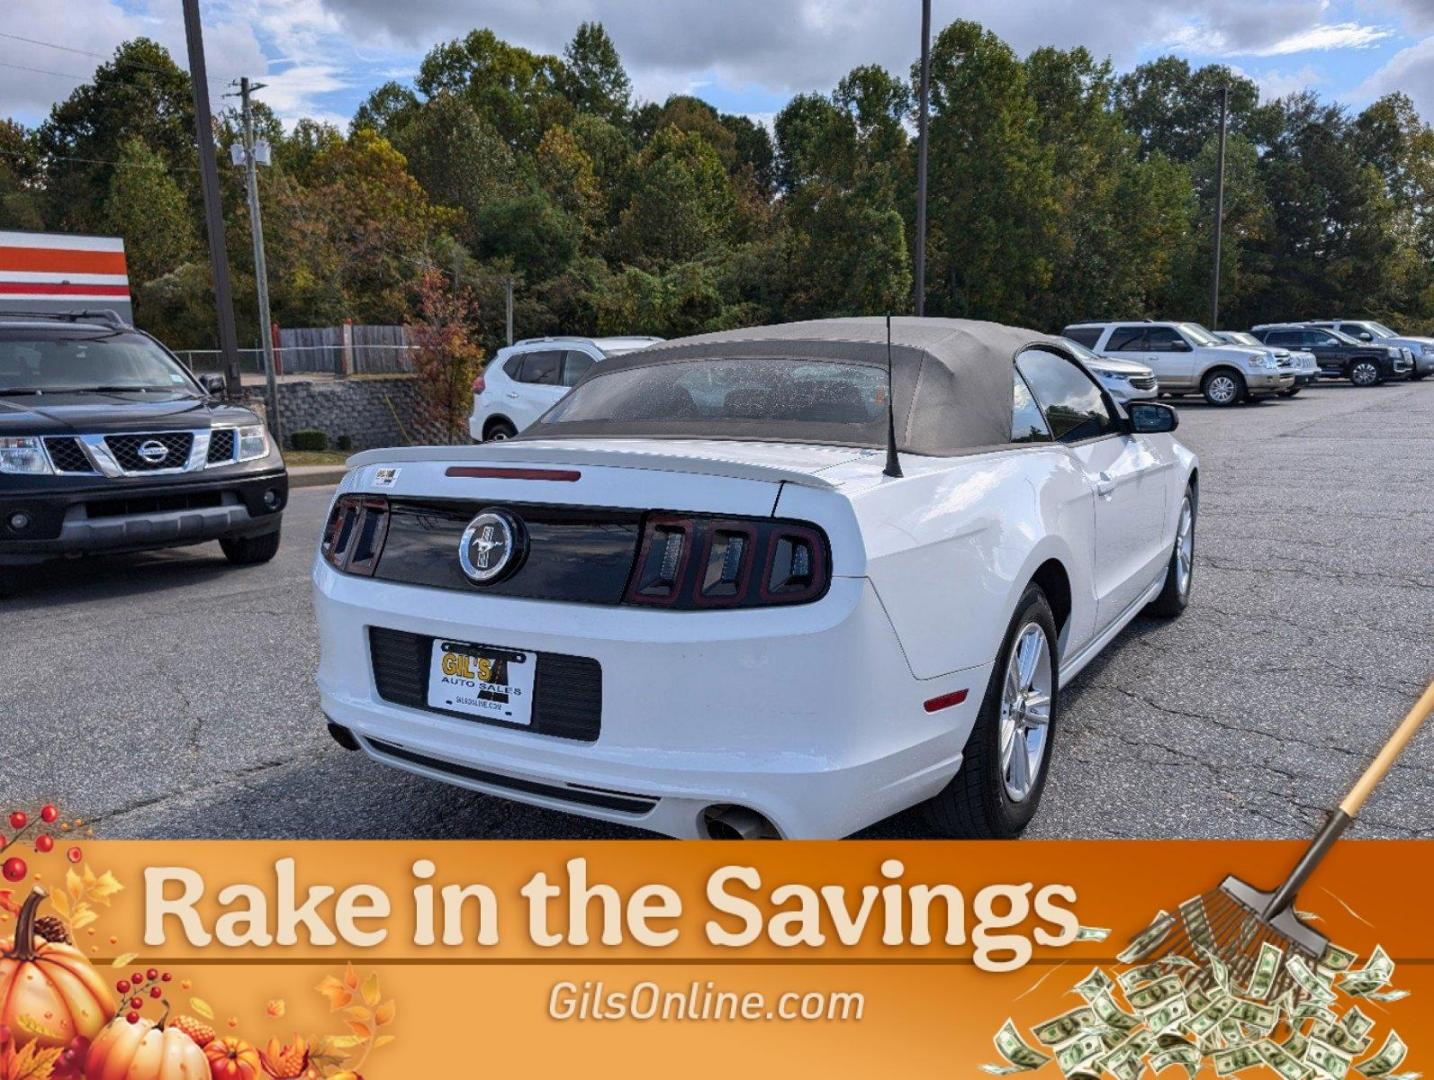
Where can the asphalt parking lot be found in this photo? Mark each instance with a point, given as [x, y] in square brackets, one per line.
[168, 695]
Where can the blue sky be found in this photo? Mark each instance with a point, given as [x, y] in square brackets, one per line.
[321, 57]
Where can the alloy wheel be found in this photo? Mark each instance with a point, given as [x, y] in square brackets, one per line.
[1185, 548]
[1222, 390]
[1025, 711]
[1364, 373]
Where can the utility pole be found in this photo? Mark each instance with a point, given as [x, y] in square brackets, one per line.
[921, 125]
[261, 269]
[1219, 207]
[509, 291]
[213, 208]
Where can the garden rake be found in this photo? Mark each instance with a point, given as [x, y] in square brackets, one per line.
[1232, 922]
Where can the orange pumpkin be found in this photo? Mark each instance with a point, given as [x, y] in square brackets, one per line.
[144, 1051]
[49, 994]
[231, 1058]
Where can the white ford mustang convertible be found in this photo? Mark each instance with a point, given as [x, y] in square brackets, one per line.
[777, 582]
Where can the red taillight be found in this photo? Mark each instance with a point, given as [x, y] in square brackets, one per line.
[479, 385]
[484, 472]
[689, 563]
[355, 533]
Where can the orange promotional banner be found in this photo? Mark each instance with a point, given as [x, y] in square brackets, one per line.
[405, 959]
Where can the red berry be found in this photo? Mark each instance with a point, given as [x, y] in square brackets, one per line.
[132, 1017]
[122, 986]
[155, 991]
[166, 977]
[44, 844]
[136, 1003]
[49, 814]
[74, 854]
[19, 819]
[14, 869]
[152, 974]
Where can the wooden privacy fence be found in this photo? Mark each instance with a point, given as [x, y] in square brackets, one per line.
[345, 350]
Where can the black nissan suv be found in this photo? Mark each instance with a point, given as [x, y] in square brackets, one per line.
[107, 444]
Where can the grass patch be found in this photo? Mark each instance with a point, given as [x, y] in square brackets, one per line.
[316, 457]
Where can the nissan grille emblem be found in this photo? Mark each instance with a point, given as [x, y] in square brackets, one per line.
[493, 546]
[153, 451]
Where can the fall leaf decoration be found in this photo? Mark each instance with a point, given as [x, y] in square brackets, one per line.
[84, 890]
[365, 1014]
[30, 1062]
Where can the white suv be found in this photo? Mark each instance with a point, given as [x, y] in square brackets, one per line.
[526, 379]
[1187, 358]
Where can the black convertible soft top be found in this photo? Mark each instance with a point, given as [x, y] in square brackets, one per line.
[952, 381]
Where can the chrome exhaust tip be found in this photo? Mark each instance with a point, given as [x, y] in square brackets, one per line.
[723, 822]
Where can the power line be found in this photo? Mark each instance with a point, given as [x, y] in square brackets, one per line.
[43, 71]
[41, 157]
[140, 64]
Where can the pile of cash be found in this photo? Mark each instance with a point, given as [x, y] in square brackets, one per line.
[1300, 1019]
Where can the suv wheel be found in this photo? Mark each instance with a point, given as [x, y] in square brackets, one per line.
[1008, 755]
[250, 550]
[499, 430]
[1180, 573]
[1223, 387]
[1365, 373]
[1291, 392]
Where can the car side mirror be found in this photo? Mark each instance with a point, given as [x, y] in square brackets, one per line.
[1180, 346]
[1365, 335]
[213, 384]
[1151, 417]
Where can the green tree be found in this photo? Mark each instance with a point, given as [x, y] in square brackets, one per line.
[147, 208]
[20, 178]
[1174, 109]
[593, 78]
[515, 90]
[682, 205]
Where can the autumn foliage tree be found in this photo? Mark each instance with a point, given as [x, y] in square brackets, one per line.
[447, 357]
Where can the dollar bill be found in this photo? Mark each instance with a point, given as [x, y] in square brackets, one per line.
[1112, 1015]
[1313, 1010]
[1208, 1019]
[1391, 1055]
[1092, 933]
[1078, 1053]
[1094, 984]
[1296, 1043]
[1257, 1015]
[1149, 939]
[1151, 996]
[1387, 995]
[1064, 1028]
[1329, 1060]
[1282, 1061]
[1355, 1022]
[1168, 1015]
[1217, 969]
[1375, 974]
[1308, 981]
[1336, 959]
[1020, 1056]
[1267, 966]
[1340, 1038]
[1197, 923]
[1236, 1059]
[1185, 1055]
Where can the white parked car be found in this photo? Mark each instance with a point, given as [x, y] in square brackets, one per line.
[1124, 380]
[526, 379]
[696, 598]
[1187, 358]
[1304, 364]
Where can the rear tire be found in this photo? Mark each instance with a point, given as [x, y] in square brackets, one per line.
[1365, 373]
[250, 550]
[1291, 392]
[978, 803]
[498, 431]
[1180, 570]
[1223, 387]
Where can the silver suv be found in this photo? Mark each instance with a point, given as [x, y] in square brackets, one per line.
[1187, 358]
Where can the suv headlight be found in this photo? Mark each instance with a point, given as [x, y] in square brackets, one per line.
[1263, 360]
[253, 442]
[24, 454]
[1114, 376]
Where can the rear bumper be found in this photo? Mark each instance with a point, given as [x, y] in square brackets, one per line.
[807, 715]
[90, 519]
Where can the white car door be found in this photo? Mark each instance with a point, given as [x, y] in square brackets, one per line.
[537, 387]
[1125, 477]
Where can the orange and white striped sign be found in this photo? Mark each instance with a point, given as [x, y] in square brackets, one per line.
[47, 270]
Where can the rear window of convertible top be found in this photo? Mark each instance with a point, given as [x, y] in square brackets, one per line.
[767, 397]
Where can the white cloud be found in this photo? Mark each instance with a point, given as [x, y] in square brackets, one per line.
[1410, 71]
[1326, 36]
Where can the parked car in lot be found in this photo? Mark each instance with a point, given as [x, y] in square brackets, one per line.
[703, 595]
[107, 443]
[1339, 355]
[1187, 358]
[1303, 364]
[1421, 349]
[1122, 379]
[526, 379]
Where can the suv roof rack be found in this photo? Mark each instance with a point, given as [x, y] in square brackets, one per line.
[104, 315]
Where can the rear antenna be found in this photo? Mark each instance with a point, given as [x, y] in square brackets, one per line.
[893, 463]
